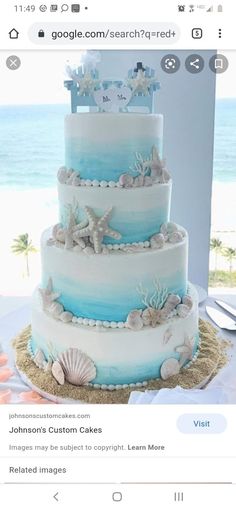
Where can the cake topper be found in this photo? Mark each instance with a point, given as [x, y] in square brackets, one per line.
[110, 95]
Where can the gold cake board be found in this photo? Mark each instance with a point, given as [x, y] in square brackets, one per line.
[211, 358]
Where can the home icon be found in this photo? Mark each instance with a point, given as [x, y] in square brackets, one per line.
[13, 34]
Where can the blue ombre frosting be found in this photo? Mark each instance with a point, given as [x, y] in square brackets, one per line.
[107, 161]
[108, 302]
[134, 226]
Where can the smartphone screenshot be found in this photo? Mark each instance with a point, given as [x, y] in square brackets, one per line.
[118, 256]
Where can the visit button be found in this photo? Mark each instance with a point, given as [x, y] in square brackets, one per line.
[202, 424]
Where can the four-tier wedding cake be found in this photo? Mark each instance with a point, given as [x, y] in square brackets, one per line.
[114, 308]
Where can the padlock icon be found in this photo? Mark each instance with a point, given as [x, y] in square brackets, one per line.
[41, 33]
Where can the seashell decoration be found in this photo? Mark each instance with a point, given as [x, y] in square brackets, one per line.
[48, 367]
[76, 180]
[58, 373]
[66, 317]
[126, 180]
[56, 309]
[172, 233]
[186, 351]
[39, 359]
[176, 237]
[88, 250]
[170, 227]
[170, 367]
[71, 176]
[187, 300]
[152, 317]
[157, 241]
[62, 175]
[138, 181]
[167, 335]
[165, 176]
[148, 181]
[58, 233]
[78, 368]
[134, 320]
[172, 302]
[78, 240]
[182, 310]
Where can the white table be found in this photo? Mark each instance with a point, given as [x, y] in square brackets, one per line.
[14, 322]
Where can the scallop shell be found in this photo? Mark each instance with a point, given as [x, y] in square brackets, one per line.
[176, 237]
[76, 181]
[58, 373]
[58, 233]
[55, 309]
[182, 310]
[169, 228]
[187, 300]
[66, 317]
[126, 180]
[134, 320]
[171, 302]
[78, 368]
[71, 176]
[170, 367]
[62, 175]
[39, 359]
[157, 241]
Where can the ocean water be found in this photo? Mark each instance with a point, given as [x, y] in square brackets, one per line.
[32, 144]
[225, 141]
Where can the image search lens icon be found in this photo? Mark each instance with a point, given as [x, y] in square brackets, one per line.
[64, 8]
[170, 63]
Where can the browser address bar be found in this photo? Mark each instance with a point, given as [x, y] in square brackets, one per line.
[103, 34]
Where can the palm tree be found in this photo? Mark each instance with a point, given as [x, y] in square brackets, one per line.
[230, 254]
[23, 246]
[216, 246]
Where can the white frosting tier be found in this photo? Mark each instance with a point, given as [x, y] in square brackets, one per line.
[105, 286]
[120, 356]
[137, 214]
[103, 145]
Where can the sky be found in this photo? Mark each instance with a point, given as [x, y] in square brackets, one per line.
[40, 78]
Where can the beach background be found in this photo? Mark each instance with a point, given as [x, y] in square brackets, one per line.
[31, 151]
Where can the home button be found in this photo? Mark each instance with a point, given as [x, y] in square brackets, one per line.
[117, 496]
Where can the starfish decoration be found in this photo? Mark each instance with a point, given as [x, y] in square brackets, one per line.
[87, 84]
[98, 228]
[141, 84]
[47, 295]
[186, 350]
